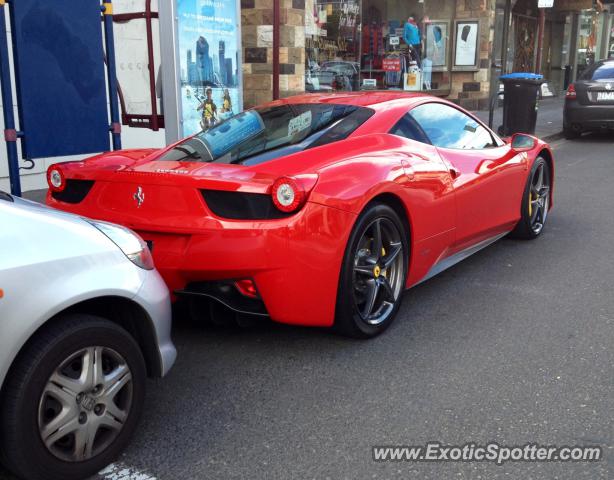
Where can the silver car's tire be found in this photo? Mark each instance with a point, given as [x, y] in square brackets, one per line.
[72, 399]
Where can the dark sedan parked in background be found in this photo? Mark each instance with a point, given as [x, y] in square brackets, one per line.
[589, 102]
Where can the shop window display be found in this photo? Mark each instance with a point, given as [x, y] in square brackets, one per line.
[591, 25]
[403, 46]
[378, 44]
[332, 32]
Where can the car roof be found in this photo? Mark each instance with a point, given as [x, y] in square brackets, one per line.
[360, 99]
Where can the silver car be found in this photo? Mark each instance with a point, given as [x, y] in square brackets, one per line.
[84, 319]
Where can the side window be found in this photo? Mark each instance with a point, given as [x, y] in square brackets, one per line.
[407, 127]
[448, 127]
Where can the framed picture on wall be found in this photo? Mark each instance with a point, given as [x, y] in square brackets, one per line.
[436, 44]
[466, 38]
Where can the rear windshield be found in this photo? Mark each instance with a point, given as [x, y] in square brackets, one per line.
[599, 71]
[263, 134]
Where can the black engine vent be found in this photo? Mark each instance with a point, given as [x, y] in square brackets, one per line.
[75, 191]
[242, 206]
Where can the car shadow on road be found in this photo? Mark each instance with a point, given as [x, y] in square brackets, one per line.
[596, 137]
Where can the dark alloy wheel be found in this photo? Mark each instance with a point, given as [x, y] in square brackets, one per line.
[72, 400]
[536, 201]
[373, 274]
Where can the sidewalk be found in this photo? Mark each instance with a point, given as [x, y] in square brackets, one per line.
[549, 118]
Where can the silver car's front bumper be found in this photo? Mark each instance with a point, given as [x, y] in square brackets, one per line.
[153, 298]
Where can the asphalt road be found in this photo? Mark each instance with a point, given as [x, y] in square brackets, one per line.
[514, 345]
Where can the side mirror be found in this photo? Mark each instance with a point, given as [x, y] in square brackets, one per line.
[522, 143]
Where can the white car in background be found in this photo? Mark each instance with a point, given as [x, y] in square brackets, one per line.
[84, 319]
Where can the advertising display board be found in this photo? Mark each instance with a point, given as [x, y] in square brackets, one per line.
[209, 52]
[466, 44]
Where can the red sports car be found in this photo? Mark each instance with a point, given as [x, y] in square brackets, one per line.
[318, 210]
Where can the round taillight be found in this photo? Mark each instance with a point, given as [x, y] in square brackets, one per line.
[55, 179]
[287, 194]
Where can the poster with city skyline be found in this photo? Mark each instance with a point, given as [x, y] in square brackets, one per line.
[209, 62]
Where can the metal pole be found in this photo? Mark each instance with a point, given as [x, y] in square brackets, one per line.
[10, 134]
[491, 110]
[506, 28]
[276, 21]
[541, 26]
[171, 74]
[107, 11]
[151, 68]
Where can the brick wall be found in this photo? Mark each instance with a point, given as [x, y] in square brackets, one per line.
[257, 33]
[471, 89]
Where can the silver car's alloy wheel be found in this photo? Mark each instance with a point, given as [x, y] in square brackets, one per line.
[378, 271]
[85, 404]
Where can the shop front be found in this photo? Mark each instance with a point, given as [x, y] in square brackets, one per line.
[586, 37]
[591, 30]
[437, 46]
[608, 31]
[576, 33]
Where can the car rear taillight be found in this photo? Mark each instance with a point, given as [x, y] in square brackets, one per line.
[56, 178]
[571, 92]
[289, 194]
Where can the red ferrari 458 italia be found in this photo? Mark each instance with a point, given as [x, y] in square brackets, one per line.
[318, 210]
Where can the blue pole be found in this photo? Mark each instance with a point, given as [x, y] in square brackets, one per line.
[10, 134]
[107, 11]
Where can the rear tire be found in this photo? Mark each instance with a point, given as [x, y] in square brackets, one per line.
[373, 273]
[535, 202]
[39, 392]
[570, 133]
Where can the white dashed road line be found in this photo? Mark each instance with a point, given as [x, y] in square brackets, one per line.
[119, 471]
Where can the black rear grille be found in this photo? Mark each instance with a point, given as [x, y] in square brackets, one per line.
[75, 191]
[225, 292]
[242, 206]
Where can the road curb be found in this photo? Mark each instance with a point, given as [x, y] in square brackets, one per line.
[552, 137]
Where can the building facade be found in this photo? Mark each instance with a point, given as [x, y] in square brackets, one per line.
[359, 44]
[463, 46]
[576, 33]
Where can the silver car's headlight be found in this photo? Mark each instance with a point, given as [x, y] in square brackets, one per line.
[128, 242]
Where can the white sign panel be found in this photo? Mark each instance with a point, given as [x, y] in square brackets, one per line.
[466, 44]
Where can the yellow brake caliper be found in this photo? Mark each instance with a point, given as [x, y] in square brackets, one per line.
[383, 255]
[530, 203]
